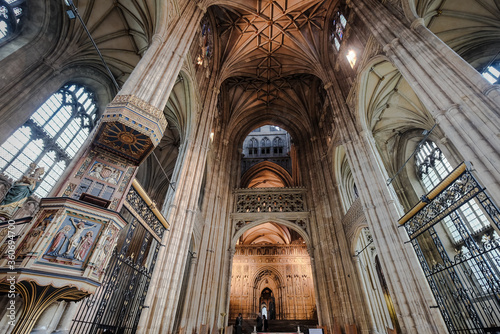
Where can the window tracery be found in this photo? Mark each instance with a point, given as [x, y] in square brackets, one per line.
[278, 145]
[51, 136]
[492, 73]
[11, 17]
[253, 147]
[265, 146]
[432, 167]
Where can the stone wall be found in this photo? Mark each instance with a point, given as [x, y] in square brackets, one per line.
[283, 269]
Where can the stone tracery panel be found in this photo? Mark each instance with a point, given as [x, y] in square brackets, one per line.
[270, 200]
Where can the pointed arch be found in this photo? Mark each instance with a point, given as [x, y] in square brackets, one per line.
[250, 225]
[270, 167]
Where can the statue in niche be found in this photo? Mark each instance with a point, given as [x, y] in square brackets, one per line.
[21, 190]
[74, 239]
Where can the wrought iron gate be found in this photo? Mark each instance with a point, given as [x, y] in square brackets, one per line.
[464, 275]
[117, 304]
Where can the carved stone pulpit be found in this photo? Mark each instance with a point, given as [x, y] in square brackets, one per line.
[61, 256]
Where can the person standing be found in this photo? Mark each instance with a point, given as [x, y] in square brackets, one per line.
[265, 323]
[259, 322]
[238, 324]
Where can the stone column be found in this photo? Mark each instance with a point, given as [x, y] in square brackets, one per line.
[463, 103]
[130, 128]
[44, 323]
[133, 123]
[407, 284]
[67, 317]
[181, 213]
[154, 76]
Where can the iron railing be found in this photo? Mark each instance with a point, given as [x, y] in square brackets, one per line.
[465, 281]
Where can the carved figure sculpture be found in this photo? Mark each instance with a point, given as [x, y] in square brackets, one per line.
[59, 240]
[105, 249]
[21, 190]
[74, 239]
[35, 234]
[84, 246]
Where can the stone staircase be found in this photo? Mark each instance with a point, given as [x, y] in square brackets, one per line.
[281, 326]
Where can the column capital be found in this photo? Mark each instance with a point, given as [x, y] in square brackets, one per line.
[202, 7]
[417, 23]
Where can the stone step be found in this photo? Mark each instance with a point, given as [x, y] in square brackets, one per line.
[281, 326]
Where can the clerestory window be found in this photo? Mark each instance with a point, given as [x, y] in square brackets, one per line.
[278, 145]
[492, 73]
[253, 147]
[265, 145]
[51, 136]
[339, 25]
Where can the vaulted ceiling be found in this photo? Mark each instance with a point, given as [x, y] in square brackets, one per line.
[274, 39]
[270, 54]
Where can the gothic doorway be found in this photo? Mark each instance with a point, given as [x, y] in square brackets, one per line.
[267, 302]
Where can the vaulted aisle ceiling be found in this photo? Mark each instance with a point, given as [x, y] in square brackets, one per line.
[471, 28]
[122, 29]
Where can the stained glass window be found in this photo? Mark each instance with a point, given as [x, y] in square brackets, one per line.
[339, 25]
[51, 137]
[206, 43]
[11, 16]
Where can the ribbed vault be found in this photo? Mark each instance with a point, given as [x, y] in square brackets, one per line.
[267, 233]
[122, 29]
[292, 103]
[270, 39]
[266, 175]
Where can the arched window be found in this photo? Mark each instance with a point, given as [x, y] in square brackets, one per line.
[432, 167]
[492, 73]
[51, 137]
[206, 44]
[265, 145]
[278, 145]
[253, 147]
[11, 17]
[339, 25]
